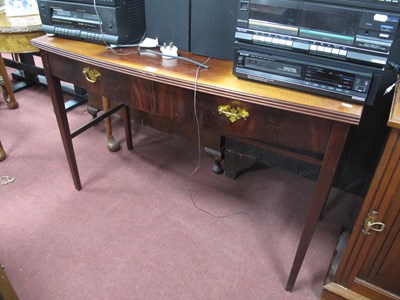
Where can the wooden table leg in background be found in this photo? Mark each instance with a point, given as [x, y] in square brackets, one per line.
[2, 153]
[6, 86]
[112, 144]
[127, 127]
[329, 165]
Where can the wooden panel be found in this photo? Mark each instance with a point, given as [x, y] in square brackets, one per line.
[173, 103]
[385, 271]
[370, 264]
[333, 291]
[394, 119]
[381, 267]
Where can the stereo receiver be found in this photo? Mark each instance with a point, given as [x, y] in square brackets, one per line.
[335, 48]
[102, 21]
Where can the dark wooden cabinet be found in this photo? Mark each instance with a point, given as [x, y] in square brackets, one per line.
[7, 292]
[370, 266]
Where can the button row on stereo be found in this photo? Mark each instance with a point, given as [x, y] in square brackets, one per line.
[328, 50]
[66, 32]
[78, 34]
[270, 40]
[289, 43]
[90, 36]
[326, 87]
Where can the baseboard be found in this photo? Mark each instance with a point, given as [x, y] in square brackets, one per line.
[334, 291]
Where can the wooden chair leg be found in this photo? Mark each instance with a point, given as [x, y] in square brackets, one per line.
[6, 86]
[2, 153]
[112, 144]
[127, 126]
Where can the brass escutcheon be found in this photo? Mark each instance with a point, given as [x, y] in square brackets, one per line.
[233, 114]
[91, 74]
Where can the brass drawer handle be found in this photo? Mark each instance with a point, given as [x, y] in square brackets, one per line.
[370, 223]
[91, 74]
[233, 114]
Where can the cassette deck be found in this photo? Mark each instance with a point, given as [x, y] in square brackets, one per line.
[334, 48]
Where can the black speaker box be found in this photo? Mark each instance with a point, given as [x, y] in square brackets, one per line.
[213, 24]
[169, 21]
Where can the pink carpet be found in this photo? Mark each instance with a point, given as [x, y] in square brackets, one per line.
[133, 231]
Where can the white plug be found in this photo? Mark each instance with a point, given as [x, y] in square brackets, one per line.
[169, 52]
[389, 89]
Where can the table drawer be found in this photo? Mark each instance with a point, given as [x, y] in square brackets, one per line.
[133, 91]
[263, 124]
[222, 115]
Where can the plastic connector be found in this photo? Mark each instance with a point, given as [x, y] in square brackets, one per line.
[149, 43]
[389, 89]
[169, 52]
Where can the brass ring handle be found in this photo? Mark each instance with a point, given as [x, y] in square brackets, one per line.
[91, 75]
[371, 225]
[233, 114]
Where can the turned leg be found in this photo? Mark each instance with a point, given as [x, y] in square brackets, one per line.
[236, 162]
[112, 144]
[92, 111]
[6, 86]
[2, 153]
[217, 156]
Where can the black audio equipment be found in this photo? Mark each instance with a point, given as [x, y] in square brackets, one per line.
[213, 24]
[312, 74]
[98, 21]
[169, 21]
[336, 48]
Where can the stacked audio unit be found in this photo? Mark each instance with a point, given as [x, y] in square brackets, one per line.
[102, 21]
[337, 48]
[213, 25]
[169, 21]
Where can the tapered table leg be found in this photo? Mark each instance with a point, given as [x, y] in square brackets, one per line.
[57, 99]
[327, 172]
[127, 127]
